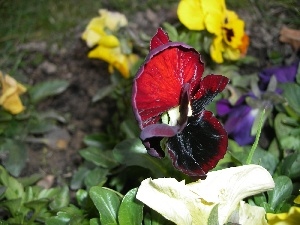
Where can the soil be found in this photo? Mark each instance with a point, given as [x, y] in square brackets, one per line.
[69, 61]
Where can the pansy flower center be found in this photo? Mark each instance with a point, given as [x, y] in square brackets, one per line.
[172, 116]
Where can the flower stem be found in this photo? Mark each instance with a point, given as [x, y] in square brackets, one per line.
[251, 153]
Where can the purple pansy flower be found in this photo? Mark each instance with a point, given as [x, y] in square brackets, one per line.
[283, 74]
[169, 99]
[239, 119]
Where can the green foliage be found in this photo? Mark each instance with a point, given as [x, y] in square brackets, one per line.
[16, 131]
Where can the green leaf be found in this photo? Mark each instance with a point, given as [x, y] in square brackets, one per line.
[107, 204]
[103, 158]
[13, 206]
[260, 157]
[62, 218]
[103, 92]
[14, 189]
[97, 176]
[291, 166]
[95, 221]
[283, 190]
[130, 128]
[46, 89]
[78, 177]
[132, 152]
[154, 218]
[96, 140]
[61, 199]
[16, 156]
[131, 210]
[291, 92]
[287, 131]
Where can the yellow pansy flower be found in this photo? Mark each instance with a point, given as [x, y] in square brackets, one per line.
[292, 217]
[222, 190]
[100, 32]
[10, 92]
[213, 16]
[115, 58]
[99, 29]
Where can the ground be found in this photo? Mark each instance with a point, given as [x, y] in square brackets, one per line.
[69, 61]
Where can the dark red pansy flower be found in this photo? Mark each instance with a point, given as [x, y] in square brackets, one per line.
[169, 99]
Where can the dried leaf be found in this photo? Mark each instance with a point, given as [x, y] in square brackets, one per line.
[290, 36]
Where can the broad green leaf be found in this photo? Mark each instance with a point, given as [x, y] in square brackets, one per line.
[95, 221]
[97, 176]
[14, 189]
[287, 131]
[62, 218]
[81, 197]
[78, 177]
[103, 158]
[96, 140]
[107, 203]
[291, 166]
[260, 157]
[130, 128]
[40, 126]
[61, 200]
[30, 180]
[16, 157]
[131, 210]
[103, 92]
[46, 89]
[37, 205]
[291, 92]
[283, 190]
[13, 206]
[154, 218]
[132, 152]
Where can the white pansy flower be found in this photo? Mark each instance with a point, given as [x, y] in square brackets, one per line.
[193, 203]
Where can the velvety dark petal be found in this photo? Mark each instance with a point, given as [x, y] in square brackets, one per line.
[200, 145]
[158, 84]
[210, 86]
[159, 38]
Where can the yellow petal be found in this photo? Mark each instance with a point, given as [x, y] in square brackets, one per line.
[216, 49]
[231, 53]
[94, 31]
[13, 104]
[214, 13]
[190, 14]
[110, 41]
[233, 31]
[115, 58]
[113, 20]
[10, 92]
[290, 218]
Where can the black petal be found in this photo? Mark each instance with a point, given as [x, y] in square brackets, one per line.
[200, 145]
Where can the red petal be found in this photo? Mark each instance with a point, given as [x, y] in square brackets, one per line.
[159, 39]
[159, 82]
